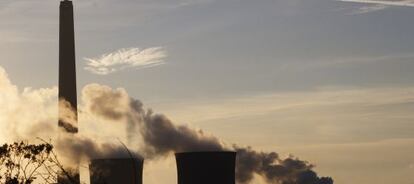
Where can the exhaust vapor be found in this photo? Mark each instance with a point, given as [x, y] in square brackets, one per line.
[33, 113]
[161, 137]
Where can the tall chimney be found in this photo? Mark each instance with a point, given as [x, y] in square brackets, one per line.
[206, 167]
[68, 115]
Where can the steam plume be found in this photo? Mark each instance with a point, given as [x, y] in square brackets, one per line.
[161, 137]
[27, 114]
[275, 169]
[76, 149]
[33, 113]
[67, 116]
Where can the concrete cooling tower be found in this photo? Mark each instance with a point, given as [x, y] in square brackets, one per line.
[206, 167]
[116, 171]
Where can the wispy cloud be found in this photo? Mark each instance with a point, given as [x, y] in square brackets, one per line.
[361, 100]
[368, 9]
[384, 2]
[126, 58]
[375, 5]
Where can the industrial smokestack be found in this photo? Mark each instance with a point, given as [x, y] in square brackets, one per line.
[67, 69]
[111, 171]
[68, 114]
[206, 167]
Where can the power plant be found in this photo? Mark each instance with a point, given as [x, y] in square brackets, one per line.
[192, 167]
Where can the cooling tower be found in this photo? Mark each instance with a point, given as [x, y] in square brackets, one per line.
[67, 69]
[116, 171]
[206, 167]
[62, 178]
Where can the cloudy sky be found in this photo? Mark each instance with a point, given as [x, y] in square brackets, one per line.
[330, 81]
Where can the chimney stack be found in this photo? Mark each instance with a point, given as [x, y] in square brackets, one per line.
[68, 115]
[206, 167]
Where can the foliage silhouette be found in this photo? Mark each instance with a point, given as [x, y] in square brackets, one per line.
[24, 163]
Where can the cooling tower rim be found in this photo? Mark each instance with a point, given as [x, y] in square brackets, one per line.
[205, 153]
[113, 159]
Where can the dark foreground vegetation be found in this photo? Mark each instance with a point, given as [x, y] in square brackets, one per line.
[24, 163]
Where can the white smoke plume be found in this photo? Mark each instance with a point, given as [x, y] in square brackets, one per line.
[26, 112]
[67, 116]
[33, 113]
[160, 137]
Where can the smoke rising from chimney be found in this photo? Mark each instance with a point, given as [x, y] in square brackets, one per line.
[275, 169]
[161, 136]
[33, 113]
[75, 149]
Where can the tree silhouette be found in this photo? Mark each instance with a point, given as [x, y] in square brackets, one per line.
[24, 163]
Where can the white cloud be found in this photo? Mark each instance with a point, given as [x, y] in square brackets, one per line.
[368, 9]
[375, 5]
[384, 2]
[126, 58]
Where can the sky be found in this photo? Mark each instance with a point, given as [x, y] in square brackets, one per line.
[329, 81]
